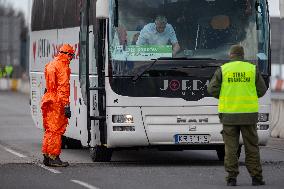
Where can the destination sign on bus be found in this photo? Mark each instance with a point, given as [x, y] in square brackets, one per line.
[141, 52]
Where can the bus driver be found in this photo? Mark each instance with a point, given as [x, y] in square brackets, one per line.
[159, 33]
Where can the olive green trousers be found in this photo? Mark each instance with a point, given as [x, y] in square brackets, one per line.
[231, 135]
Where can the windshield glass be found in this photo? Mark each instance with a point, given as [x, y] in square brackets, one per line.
[143, 30]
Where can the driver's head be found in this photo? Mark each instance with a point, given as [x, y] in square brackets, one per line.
[160, 22]
[67, 50]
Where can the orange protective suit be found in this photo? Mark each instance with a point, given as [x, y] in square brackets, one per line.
[56, 97]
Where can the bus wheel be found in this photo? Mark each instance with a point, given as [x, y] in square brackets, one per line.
[221, 153]
[100, 154]
[63, 142]
[73, 143]
[69, 143]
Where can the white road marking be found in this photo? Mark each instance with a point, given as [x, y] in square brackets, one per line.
[47, 168]
[84, 184]
[15, 153]
[24, 156]
[275, 149]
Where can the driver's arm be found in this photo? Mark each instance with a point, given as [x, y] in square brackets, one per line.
[173, 40]
[176, 48]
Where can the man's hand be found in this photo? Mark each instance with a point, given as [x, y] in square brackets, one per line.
[67, 112]
[176, 48]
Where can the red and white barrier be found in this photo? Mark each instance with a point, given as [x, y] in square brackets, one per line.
[277, 118]
[277, 85]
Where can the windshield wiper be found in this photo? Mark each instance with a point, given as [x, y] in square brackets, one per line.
[196, 66]
[139, 74]
[202, 66]
[185, 58]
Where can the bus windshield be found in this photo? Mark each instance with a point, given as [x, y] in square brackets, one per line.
[141, 31]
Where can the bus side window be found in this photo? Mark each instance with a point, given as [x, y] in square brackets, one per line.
[58, 13]
[66, 13]
[69, 14]
[37, 15]
[48, 17]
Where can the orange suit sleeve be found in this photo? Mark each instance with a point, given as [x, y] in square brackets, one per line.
[50, 78]
[63, 88]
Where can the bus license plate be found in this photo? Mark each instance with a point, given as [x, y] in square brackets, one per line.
[192, 139]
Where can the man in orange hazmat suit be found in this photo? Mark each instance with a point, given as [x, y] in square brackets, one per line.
[55, 105]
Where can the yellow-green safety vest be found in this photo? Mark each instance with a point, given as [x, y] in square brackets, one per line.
[238, 91]
[9, 70]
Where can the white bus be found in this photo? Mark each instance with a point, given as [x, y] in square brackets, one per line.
[125, 95]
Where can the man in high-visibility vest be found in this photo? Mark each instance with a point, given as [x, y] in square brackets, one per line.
[238, 85]
[9, 71]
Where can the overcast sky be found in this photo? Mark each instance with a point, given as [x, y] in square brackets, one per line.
[23, 5]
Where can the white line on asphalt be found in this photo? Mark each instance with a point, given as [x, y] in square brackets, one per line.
[23, 156]
[84, 184]
[47, 168]
[15, 153]
[275, 149]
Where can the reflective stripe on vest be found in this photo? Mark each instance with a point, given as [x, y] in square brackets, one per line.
[238, 91]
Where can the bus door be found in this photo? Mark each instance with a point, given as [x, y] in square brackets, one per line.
[84, 74]
[91, 76]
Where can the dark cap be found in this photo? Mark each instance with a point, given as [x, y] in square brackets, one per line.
[237, 50]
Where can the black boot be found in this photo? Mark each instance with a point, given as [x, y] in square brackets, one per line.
[257, 181]
[57, 162]
[45, 160]
[232, 182]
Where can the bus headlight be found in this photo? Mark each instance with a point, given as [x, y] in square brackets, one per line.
[262, 127]
[263, 117]
[123, 128]
[122, 118]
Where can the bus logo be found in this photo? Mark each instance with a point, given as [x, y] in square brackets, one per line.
[192, 85]
[174, 85]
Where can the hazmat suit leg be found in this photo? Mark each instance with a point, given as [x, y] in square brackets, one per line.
[55, 125]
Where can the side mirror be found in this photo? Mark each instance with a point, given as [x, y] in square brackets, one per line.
[102, 9]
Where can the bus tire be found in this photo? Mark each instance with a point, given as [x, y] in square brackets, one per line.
[73, 143]
[69, 143]
[221, 153]
[100, 154]
[63, 142]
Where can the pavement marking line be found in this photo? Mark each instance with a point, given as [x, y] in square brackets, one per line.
[23, 156]
[15, 153]
[47, 168]
[275, 149]
[84, 184]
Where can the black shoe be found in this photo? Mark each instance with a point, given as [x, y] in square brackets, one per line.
[45, 160]
[57, 162]
[257, 182]
[232, 182]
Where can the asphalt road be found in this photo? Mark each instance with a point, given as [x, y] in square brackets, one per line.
[21, 167]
